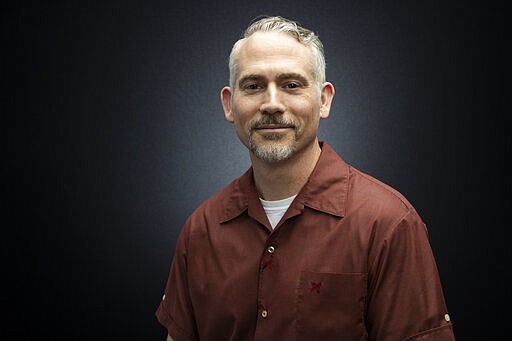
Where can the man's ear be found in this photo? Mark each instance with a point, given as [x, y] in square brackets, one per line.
[326, 97]
[225, 98]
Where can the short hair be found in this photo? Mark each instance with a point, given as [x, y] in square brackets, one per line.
[292, 28]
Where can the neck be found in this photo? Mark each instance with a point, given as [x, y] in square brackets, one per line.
[283, 179]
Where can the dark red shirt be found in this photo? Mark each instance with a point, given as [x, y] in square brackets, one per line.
[349, 260]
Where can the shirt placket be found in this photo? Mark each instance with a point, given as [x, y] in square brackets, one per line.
[268, 272]
[269, 316]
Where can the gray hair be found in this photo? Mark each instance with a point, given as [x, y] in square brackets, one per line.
[292, 28]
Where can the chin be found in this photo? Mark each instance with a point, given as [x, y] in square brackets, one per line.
[272, 151]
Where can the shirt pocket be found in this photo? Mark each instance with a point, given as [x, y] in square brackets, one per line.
[330, 306]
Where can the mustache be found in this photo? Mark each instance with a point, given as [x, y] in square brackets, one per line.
[273, 119]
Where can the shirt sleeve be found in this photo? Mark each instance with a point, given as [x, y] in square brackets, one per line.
[405, 298]
[175, 311]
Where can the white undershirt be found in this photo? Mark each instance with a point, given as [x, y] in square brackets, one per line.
[275, 209]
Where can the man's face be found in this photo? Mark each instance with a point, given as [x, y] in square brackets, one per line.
[276, 102]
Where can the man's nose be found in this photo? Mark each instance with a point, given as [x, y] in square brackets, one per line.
[272, 101]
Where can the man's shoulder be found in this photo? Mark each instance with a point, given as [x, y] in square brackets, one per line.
[363, 190]
[230, 197]
[376, 194]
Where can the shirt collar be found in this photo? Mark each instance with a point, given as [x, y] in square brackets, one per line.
[327, 187]
[326, 190]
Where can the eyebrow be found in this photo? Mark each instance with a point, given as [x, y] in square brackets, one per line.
[281, 77]
[252, 77]
[293, 75]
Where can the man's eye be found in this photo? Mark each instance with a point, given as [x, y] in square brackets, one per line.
[251, 86]
[292, 85]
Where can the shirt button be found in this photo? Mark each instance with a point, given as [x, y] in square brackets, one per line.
[447, 317]
[264, 313]
[271, 249]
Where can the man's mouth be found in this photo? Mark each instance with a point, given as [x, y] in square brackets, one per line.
[272, 126]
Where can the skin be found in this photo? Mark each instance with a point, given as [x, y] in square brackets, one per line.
[276, 85]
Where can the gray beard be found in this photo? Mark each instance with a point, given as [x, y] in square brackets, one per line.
[273, 151]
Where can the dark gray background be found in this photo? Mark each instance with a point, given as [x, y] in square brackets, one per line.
[115, 133]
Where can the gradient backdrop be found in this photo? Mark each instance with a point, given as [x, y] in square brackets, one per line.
[115, 133]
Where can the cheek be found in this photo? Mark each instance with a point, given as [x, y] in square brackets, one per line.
[243, 113]
[240, 124]
[308, 113]
[247, 107]
[240, 128]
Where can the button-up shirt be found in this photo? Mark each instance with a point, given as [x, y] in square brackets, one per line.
[349, 260]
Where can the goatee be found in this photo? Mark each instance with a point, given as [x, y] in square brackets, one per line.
[276, 147]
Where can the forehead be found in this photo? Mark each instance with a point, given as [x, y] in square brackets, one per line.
[265, 52]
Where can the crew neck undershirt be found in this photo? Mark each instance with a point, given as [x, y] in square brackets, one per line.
[275, 209]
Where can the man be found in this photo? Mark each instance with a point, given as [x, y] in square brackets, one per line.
[302, 246]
